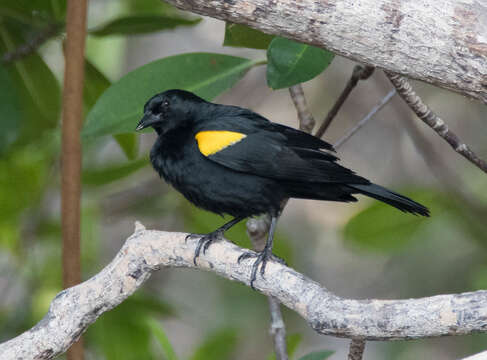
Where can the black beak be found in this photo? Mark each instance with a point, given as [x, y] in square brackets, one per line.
[149, 119]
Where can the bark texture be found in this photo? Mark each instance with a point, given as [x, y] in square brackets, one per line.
[74, 309]
[443, 42]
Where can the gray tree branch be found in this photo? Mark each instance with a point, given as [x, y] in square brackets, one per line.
[257, 231]
[357, 348]
[423, 112]
[443, 42]
[74, 309]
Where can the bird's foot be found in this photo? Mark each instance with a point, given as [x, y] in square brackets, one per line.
[204, 241]
[261, 259]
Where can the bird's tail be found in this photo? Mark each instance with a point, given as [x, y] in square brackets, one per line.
[389, 197]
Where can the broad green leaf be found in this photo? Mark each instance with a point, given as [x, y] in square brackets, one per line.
[95, 84]
[219, 345]
[35, 84]
[10, 110]
[142, 24]
[161, 336]
[97, 177]
[292, 343]
[380, 227]
[120, 107]
[317, 355]
[291, 63]
[243, 36]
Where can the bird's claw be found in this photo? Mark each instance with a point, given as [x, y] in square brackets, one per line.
[261, 259]
[204, 242]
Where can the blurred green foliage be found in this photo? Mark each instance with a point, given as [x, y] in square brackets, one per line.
[30, 231]
[160, 334]
[378, 228]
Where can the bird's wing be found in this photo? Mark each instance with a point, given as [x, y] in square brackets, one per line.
[268, 154]
[299, 138]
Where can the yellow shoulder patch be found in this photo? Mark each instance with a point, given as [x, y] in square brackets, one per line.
[210, 142]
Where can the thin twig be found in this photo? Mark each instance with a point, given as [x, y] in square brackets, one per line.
[359, 73]
[357, 347]
[367, 117]
[306, 120]
[437, 164]
[422, 110]
[257, 230]
[71, 149]
[33, 44]
[278, 329]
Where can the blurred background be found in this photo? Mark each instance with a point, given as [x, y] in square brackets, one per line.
[360, 250]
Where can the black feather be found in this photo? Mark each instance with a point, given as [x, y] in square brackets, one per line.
[253, 175]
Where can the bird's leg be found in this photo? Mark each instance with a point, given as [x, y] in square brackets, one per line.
[207, 239]
[263, 256]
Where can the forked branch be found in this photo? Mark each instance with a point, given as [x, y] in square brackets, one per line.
[145, 251]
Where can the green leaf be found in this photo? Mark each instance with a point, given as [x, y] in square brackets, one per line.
[120, 107]
[95, 84]
[292, 343]
[380, 227]
[161, 336]
[35, 84]
[11, 111]
[243, 36]
[317, 355]
[112, 173]
[291, 63]
[142, 24]
[220, 345]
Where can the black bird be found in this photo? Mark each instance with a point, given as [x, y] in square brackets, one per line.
[231, 160]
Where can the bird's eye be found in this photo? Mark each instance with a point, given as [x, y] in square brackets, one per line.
[165, 104]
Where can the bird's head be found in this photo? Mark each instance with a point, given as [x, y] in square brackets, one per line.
[169, 110]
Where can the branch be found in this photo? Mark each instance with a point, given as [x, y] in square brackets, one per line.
[306, 120]
[357, 347]
[479, 356]
[278, 329]
[33, 44]
[359, 73]
[257, 230]
[365, 119]
[422, 111]
[74, 309]
[438, 41]
[71, 149]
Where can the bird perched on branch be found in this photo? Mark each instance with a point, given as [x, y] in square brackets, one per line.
[231, 160]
